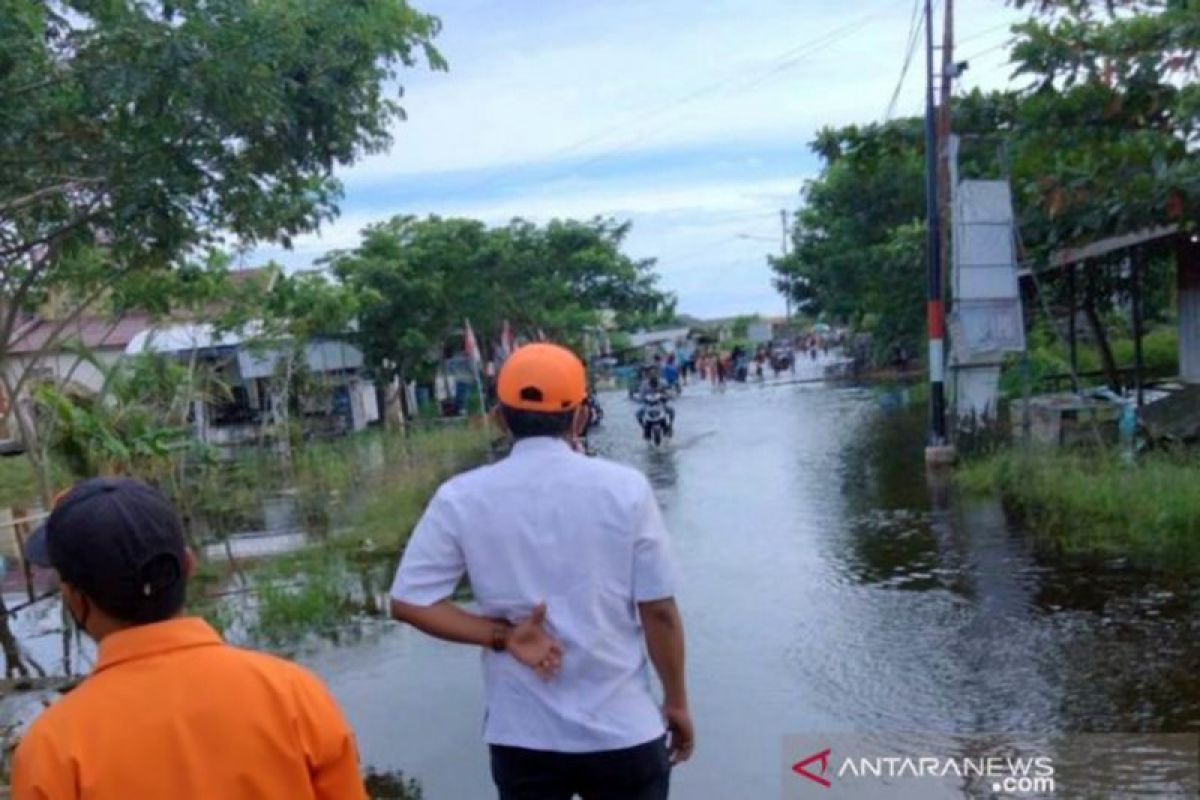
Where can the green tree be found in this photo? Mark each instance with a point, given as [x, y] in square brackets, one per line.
[417, 280]
[851, 257]
[1106, 134]
[137, 133]
[404, 276]
[561, 277]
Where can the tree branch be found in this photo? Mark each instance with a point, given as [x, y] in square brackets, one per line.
[49, 191]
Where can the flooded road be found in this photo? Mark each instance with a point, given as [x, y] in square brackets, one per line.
[826, 587]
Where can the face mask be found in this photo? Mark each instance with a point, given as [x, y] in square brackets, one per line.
[80, 622]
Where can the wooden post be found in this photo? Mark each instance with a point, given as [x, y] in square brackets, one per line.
[1072, 335]
[1089, 308]
[1135, 290]
[1187, 260]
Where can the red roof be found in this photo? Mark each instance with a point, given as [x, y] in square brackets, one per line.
[94, 333]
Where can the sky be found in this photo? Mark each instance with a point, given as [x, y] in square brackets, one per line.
[691, 119]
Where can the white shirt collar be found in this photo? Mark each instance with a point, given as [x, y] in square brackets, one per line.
[540, 444]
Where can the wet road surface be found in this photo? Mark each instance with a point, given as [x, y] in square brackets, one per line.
[826, 587]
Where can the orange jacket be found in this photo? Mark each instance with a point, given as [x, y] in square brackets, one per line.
[170, 711]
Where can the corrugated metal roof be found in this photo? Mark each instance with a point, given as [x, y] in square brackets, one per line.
[93, 332]
[186, 336]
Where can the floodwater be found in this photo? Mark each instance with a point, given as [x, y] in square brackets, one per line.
[827, 587]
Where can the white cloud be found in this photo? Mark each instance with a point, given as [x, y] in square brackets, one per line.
[671, 113]
[587, 78]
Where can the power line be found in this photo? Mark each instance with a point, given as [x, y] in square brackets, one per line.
[985, 32]
[991, 49]
[914, 30]
[779, 64]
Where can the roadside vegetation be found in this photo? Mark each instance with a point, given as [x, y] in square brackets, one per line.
[1097, 502]
[18, 485]
[373, 489]
[1048, 357]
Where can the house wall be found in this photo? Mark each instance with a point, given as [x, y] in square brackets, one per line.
[62, 368]
[66, 367]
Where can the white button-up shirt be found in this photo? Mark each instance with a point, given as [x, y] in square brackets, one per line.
[582, 534]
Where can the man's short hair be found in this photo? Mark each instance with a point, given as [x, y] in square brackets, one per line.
[528, 424]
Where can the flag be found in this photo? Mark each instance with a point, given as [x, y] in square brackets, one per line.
[506, 341]
[472, 347]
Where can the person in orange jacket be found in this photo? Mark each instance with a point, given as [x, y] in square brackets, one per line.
[169, 710]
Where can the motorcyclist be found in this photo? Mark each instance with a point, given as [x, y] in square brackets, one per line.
[654, 394]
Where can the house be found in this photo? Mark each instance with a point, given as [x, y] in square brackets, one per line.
[51, 350]
[74, 352]
[249, 369]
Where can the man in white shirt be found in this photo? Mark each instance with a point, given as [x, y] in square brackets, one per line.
[569, 563]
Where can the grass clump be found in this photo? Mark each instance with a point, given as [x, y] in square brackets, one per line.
[17, 484]
[300, 593]
[1097, 502]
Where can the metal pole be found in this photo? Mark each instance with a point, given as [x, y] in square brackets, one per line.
[787, 294]
[943, 128]
[934, 312]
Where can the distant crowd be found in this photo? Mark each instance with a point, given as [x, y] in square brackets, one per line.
[712, 365]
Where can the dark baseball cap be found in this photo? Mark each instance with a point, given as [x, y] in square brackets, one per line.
[120, 542]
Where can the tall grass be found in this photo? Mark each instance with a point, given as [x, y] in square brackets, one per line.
[287, 610]
[318, 588]
[1097, 502]
[18, 486]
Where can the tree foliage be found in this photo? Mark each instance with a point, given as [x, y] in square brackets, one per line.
[136, 133]
[853, 256]
[1101, 141]
[417, 280]
[1107, 131]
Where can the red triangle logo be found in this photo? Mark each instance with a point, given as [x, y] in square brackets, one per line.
[822, 760]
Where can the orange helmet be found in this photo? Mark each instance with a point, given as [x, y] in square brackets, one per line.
[544, 378]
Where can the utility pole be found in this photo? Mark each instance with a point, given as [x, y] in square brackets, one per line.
[787, 292]
[937, 453]
[949, 72]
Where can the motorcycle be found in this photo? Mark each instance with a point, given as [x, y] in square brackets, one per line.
[656, 420]
[595, 412]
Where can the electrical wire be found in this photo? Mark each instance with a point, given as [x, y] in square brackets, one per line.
[780, 64]
[980, 34]
[992, 49]
[916, 24]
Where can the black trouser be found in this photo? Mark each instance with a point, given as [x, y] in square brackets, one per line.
[634, 773]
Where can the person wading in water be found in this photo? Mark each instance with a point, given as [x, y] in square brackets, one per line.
[568, 560]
